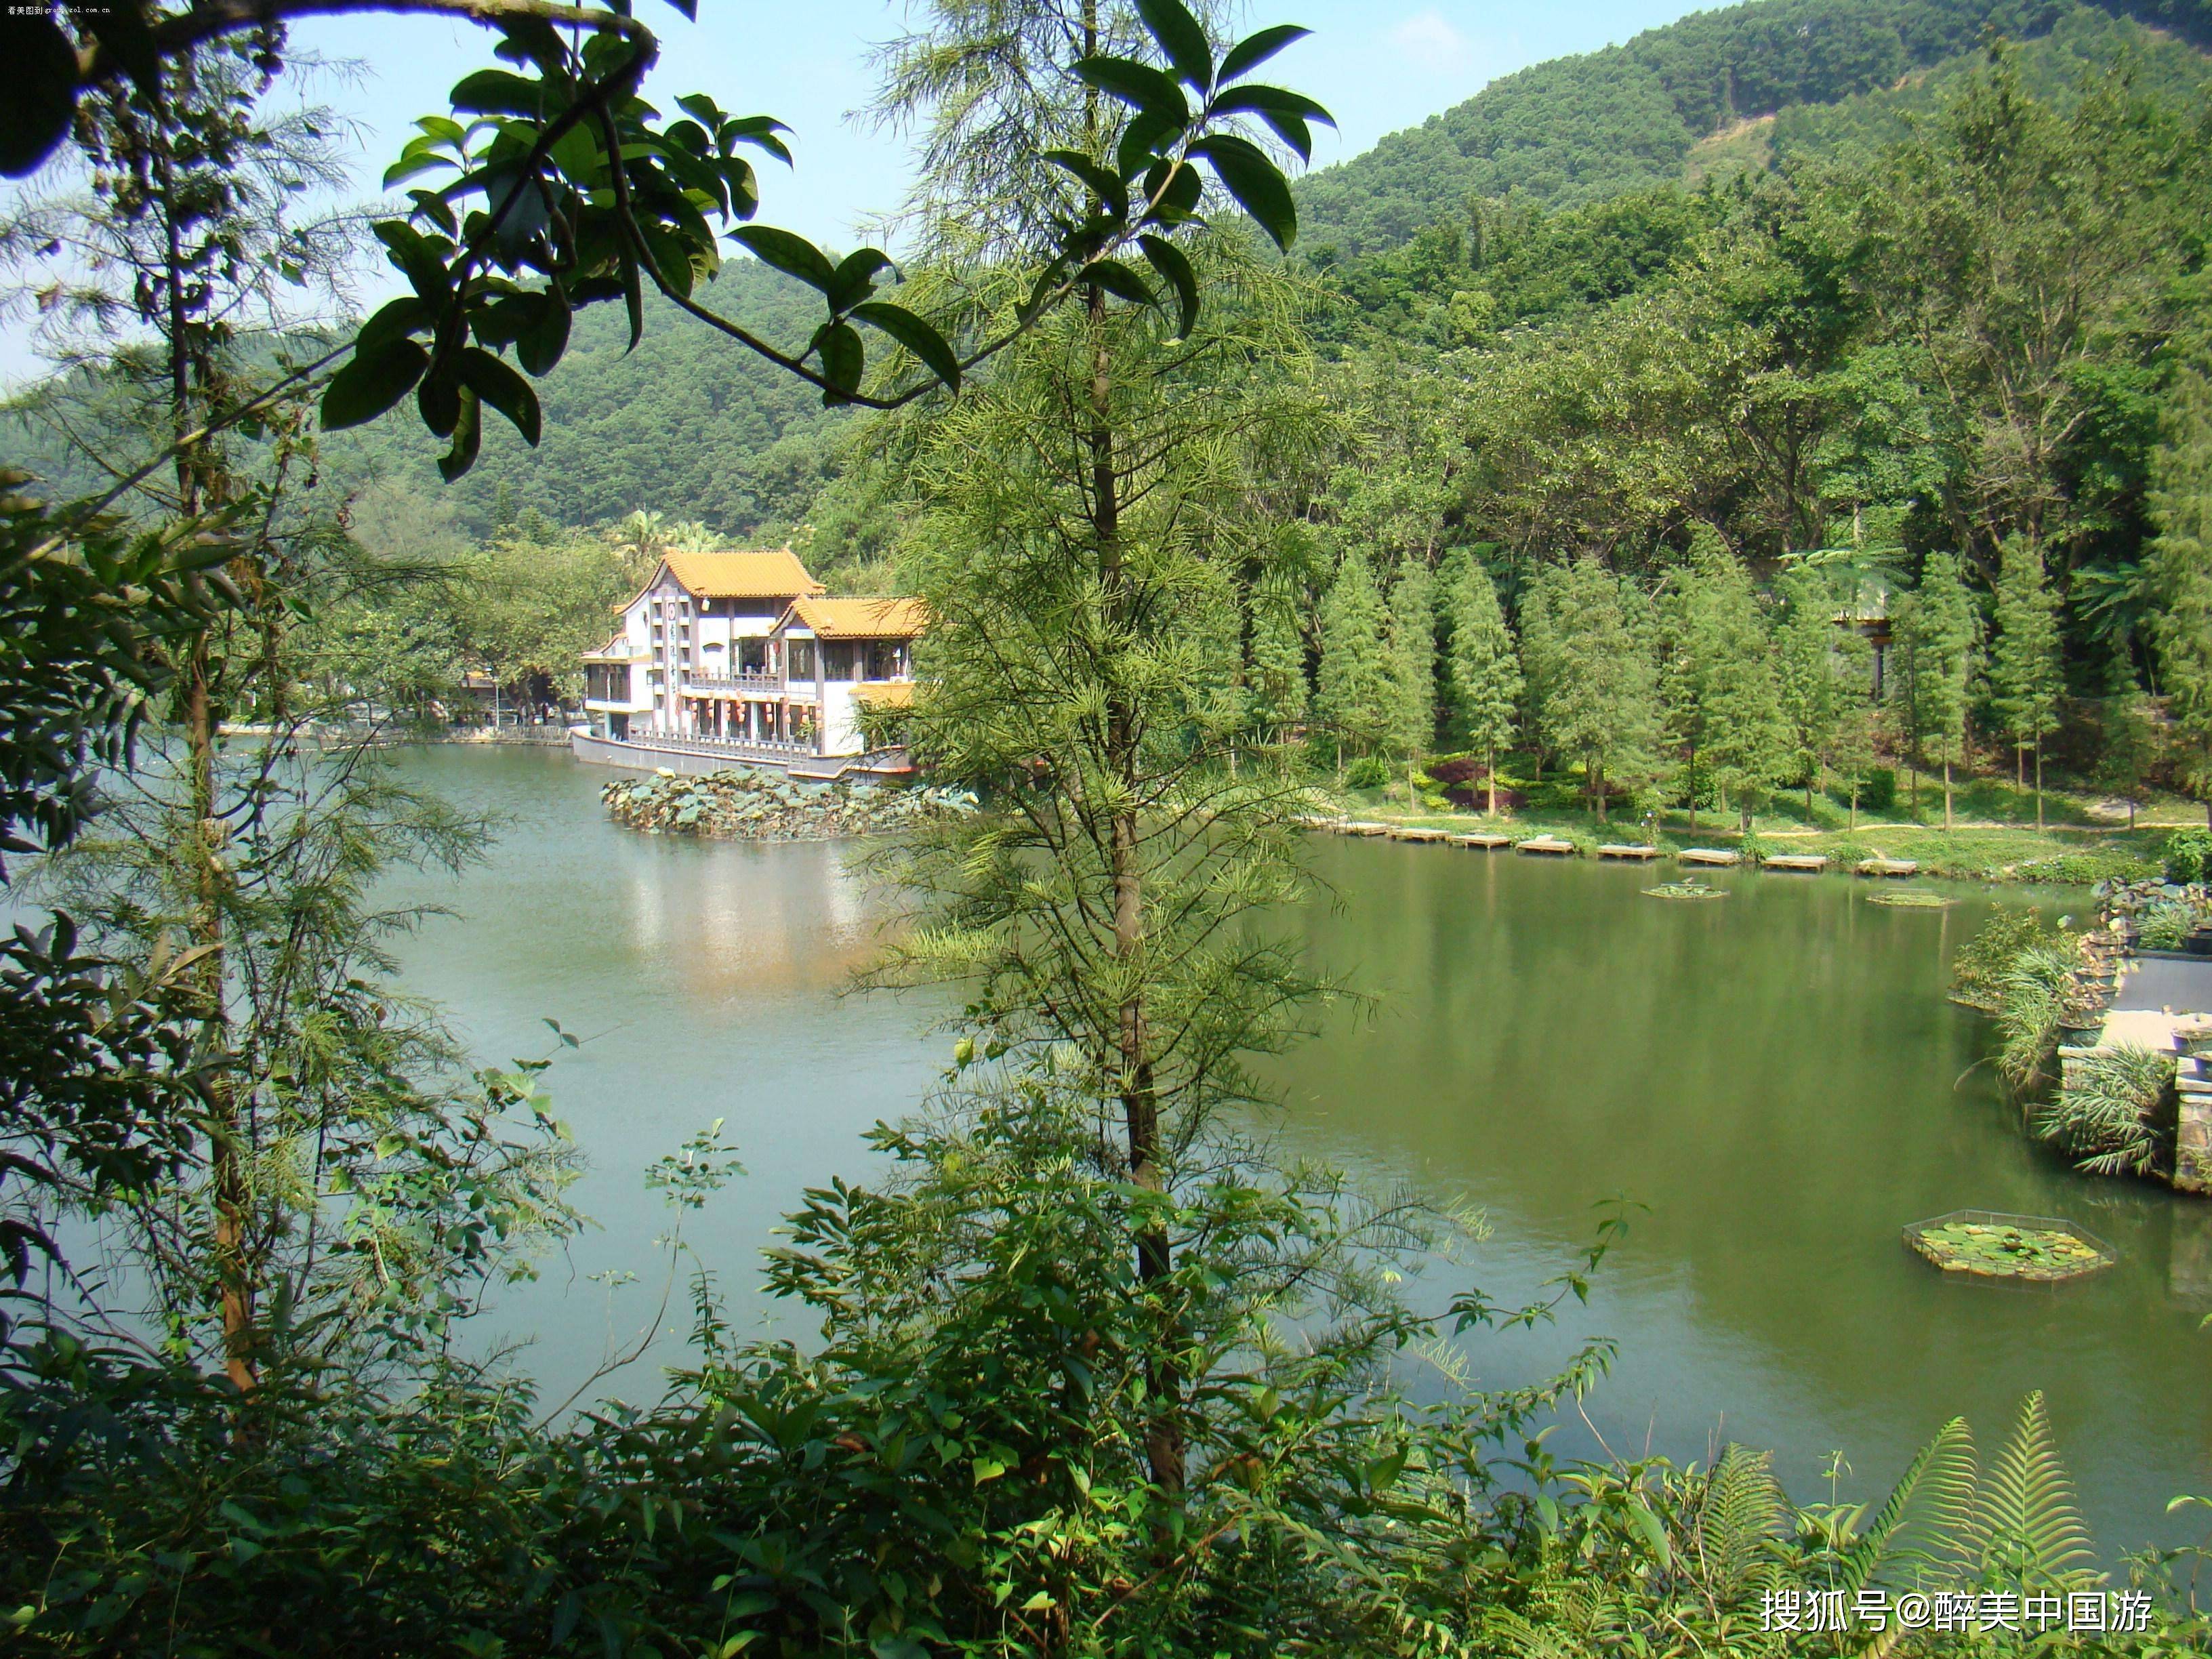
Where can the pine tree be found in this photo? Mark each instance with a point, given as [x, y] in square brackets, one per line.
[1413, 664]
[2180, 573]
[1724, 704]
[2024, 663]
[1938, 630]
[1483, 672]
[1814, 660]
[1601, 690]
[1355, 699]
[1276, 669]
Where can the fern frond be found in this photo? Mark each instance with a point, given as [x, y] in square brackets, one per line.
[1737, 1519]
[2028, 1528]
[1944, 1474]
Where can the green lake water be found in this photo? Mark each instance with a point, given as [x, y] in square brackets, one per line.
[1776, 1076]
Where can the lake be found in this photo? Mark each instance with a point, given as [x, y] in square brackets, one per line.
[1776, 1076]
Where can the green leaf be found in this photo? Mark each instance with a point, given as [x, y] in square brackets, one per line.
[633, 292]
[468, 434]
[916, 336]
[1168, 259]
[438, 401]
[844, 357]
[1175, 197]
[1118, 279]
[392, 321]
[1255, 50]
[689, 7]
[373, 382]
[1285, 112]
[794, 256]
[1137, 84]
[494, 381]
[422, 264]
[1181, 39]
[1258, 185]
[854, 277]
[41, 90]
[759, 131]
[988, 1468]
[496, 92]
[1101, 182]
[545, 335]
[1142, 138]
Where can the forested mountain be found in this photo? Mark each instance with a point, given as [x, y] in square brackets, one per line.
[1574, 130]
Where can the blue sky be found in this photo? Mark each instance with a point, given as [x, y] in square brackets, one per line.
[1379, 64]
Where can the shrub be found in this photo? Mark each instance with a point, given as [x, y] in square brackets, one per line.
[1977, 971]
[1878, 793]
[1368, 772]
[2032, 996]
[2189, 855]
[2163, 926]
[2111, 1118]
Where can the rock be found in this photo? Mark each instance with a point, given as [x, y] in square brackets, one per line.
[768, 806]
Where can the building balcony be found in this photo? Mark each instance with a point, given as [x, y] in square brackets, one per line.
[703, 682]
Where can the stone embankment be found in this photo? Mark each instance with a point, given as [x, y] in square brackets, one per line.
[742, 806]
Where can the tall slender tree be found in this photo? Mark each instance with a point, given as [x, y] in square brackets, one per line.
[1355, 699]
[1411, 660]
[2181, 575]
[2024, 670]
[1600, 695]
[1721, 699]
[1939, 630]
[1484, 670]
[1276, 661]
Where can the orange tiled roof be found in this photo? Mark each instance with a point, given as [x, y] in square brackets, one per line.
[857, 619]
[775, 575]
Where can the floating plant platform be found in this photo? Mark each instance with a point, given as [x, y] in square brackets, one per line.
[1911, 898]
[1685, 890]
[2022, 1248]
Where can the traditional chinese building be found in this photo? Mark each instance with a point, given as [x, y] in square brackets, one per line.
[740, 654]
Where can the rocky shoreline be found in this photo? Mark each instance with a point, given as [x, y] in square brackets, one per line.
[734, 805]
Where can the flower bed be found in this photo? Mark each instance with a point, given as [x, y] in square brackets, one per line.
[1988, 1244]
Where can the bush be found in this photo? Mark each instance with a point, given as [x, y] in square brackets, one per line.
[1977, 971]
[2111, 1118]
[1368, 772]
[1878, 793]
[2189, 855]
[2164, 926]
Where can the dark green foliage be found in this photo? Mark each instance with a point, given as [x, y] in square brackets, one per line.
[2189, 855]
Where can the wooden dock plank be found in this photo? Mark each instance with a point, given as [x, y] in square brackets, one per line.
[1719, 856]
[1805, 863]
[1627, 850]
[1888, 867]
[1550, 844]
[1406, 832]
[1487, 840]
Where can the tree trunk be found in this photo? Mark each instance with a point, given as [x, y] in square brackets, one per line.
[1490, 775]
[1693, 788]
[2038, 784]
[1947, 794]
[1164, 1450]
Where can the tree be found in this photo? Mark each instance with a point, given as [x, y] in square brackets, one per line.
[1938, 630]
[1355, 698]
[1600, 688]
[2024, 662]
[1814, 697]
[1276, 666]
[1483, 670]
[1722, 702]
[1412, 660]
[2181, 574]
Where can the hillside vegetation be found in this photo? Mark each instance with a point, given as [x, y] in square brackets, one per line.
[1574, 130]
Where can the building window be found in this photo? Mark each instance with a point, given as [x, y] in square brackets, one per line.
[800, 655]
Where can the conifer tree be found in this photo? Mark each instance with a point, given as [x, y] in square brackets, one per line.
[1277, 662]
[1938, 630]
[1413, 664]
[1723, 703]
[2180, 572]
[1484, 671]
[1810, 658]
[1600, 691]
[1355, 699]
[2024, 662]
